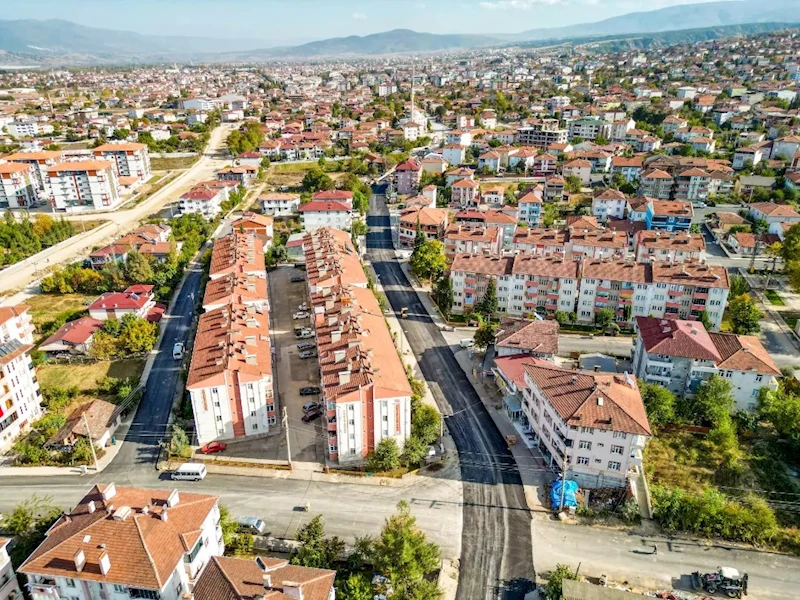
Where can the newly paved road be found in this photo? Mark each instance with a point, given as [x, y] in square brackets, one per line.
[496, 553]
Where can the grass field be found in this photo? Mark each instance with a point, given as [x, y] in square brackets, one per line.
[86, 376]
[791, 319]
[46, 307]
[774, 298]
[172, 164]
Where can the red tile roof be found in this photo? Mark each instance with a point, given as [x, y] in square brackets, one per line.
[672, 337]
[743, 353]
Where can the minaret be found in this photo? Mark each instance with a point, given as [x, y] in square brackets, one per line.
[413, 72]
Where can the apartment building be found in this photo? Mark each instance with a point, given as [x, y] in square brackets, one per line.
[17, 186]
[465, 193]
[675, 247]
[431, 221]
[9, 586]
[609, 204]
[277, 204]
[365, 390]
[137, 300]
[541, 242]
[40, 162]
[122, 543]
[84, 185]
[131, 161]
[589, 128]
[542, 134]
[620, 285]
[237, 253]
[596, 243]
[684, 291]
[592, 425]
[629, 168]
[203, 200]
[691, 185]
[459, 239]
[407, 176]
[655, 183]
[669, 215]
[530, 208]
[19, 389]
[320, 213]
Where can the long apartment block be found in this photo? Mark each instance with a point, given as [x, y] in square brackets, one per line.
[230, 378]
[531, 284]
[365, 390]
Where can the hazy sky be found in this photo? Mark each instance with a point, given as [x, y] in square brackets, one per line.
[281, 21]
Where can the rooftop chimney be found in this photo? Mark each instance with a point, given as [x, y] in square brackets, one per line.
[91, 507]
[293, 589]
[267, 581]
[163, 516]
[574, 379]
[80, 560]
[339, 355]
[173, 498]
[597, 368]
[105, 563]
[344, 377]
[109, 492]
[599, 401]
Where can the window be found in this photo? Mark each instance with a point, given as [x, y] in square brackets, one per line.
[617, 449]
[614, 466]
[587, 430]
[255, 426]
[759, 378]
[620, 435]
[120, 589]
[584, 445]
[252, 413]
[70, 582]
[582, 460]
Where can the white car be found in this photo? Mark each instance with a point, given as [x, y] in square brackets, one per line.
[177, 351]
[300, 315]
[302, 306]
[306, 335]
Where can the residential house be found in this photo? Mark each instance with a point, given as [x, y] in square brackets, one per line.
[454, 154]
[435, 163]
[773, 214]
[127, 542]
[529, 337]
[460, 239]
[554, 189]
[748, 244]
[749, 155]
[278, 204]
[95, 421]
[74, 337]
[407, 176]
[324, 213]
[668, 215]
[9, 586]
[672, 247]
[691, 185]
[580, 168]
[137, 300]
[432, 221]
[530, 207]
[629, 168]
[656, 183]
[465, 192]
[458, 174]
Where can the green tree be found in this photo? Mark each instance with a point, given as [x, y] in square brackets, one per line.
[385, 457]
[429, 260]
[659, 403]
[744, 315]
[357, 586]
[782, 411]
[485, 335]
[443, 295]
[553, 589]
[739, 286]
[489, 303]
[228, 525]
[426, 424]
[572, 184]
[138, 268]
[138, 335]
[316, 550]
[413, 451]
[179, 441]
[549, 215]
[405, 557]
[790, 247]
[712, 402]
[316, 180]
[561, 317]
[706, 320]
[604, 317]
[28, 522]
[104, 346]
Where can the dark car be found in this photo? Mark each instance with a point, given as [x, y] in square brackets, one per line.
[309, 391]
[310, 416]
[298, 279]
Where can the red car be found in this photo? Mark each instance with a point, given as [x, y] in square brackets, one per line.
[213, 447]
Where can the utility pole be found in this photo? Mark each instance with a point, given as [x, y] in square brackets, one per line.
[285, 423]
[91, 443]
[563, 479]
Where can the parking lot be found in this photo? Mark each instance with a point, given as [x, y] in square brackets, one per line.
[307, 440]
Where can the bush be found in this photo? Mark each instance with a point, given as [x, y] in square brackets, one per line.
[385, 457]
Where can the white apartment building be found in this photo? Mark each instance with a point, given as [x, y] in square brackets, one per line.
[40, 162]
[27, 128]
[593, 425]
[320, 213]
[20, 398]
[9, 586]
[680, 355]
[663, 246]
[202, 200]
[131, 161]
[85, 185]
[123, 543]
[589, 128]
[365, 391]
[610, 204]
[17, 186]
[278, 204]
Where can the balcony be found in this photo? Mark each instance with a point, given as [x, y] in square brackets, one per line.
[675, 293]
[699, 296]
[603, 289]
[662, 363]
[470, 281]
[673, 304]
[626, 294]
[658, 378]
[552, 295]
[600, 304]
[700, 307]
[44, 591]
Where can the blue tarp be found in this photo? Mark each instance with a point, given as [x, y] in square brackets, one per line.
[570, 487]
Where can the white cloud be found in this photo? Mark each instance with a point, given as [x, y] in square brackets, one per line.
[516, 4]
[359, 16]
[421, 5]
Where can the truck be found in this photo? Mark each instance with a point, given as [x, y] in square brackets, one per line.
[725, 580]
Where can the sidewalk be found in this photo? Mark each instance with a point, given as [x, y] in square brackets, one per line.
[102, 463]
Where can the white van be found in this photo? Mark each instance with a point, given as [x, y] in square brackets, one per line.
[466, 343]
[190, 472]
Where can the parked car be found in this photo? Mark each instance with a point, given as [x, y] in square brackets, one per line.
[310, 390]
[466, 343]
[300, 315]
[297, 279]
[309, 406]
[310, 416]
[177, 351]
[305, 345]
[308, 354]
[302, 307]
[213, 448]
[306, 335]
[252, 525]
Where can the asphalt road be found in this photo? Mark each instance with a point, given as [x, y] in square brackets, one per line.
[496, 552]
[140, 450]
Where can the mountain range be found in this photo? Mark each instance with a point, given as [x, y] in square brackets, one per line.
[57, 42]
